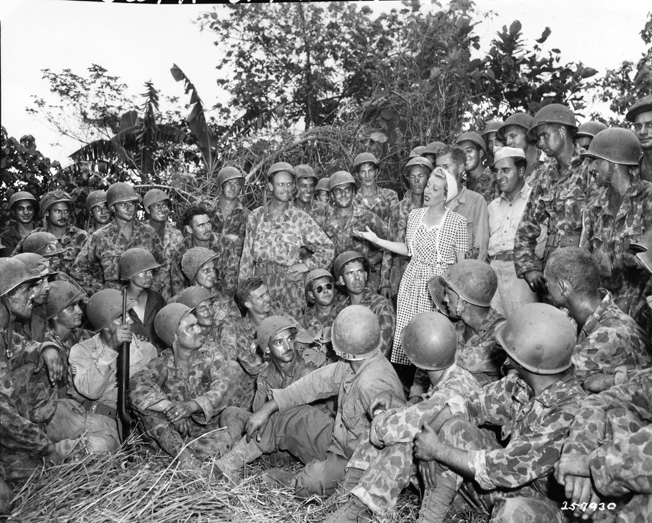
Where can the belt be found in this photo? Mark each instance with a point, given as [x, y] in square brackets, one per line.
[567, 240]
[99, 408]
[270, 268]
[502, 256]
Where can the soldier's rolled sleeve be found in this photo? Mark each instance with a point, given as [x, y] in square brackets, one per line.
[320, 384]
[528, 232]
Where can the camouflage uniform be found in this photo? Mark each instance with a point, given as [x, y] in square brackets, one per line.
[380, 204]
[315, 209]
[273, 246]
[386, 457]
[96, 266]
[179, 282]
[208, 383]
[608, 237]
[10, 237]
[319, 353]
[231, 230]
[383, 310]
[557, 199]
[613, 428]
[485, 185]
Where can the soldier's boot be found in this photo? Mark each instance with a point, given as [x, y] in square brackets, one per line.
[353, 511]
[231, 464]
[437, 501]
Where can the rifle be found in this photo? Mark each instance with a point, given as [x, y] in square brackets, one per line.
[127, 423]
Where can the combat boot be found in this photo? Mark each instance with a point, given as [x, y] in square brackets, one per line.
[353, 511]
[231, 464]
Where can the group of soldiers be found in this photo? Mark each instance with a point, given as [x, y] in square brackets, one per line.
[526, 386]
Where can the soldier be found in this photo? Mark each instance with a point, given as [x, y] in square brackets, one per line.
[417, 152]
[382, 466]
[373, 198]
[318, 319]
[201, 301]
[505, 214]
[640, 114]
[96, 266]
[37, 265]
[23, 207]
[351, 270]
[157, 208]
[323, 446]
[305, 198]
[432, 150]
[99, 214]
[93, 362]
[322, 194]
[197, 227]
[464, 294]
[618, 216]
[180, 394]
[276, 231]
[610, 344]
[467, 203]
[479, 177]
[586, 132]
[417, 171]
[607, 460]
[643, 252]
[229, 220]
[558, 195]
[491, 139]
[514, 133]
[345, 216]
[533, 407]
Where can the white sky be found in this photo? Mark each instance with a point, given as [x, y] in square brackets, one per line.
[141, 42]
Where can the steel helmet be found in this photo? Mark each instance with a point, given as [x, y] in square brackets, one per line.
[52, 197]
[434, 148]
[271, 326]
[105, 306]
[323, 184]
[37, 264]
[228, 173]
[473, 137]
[95, 198]
[523, 120]
[136, 260]
[168, 319]
[364, 158]
[63, 294]
[418, 160]
[43, 243]
[539, 337]
[305, 171]
[280, 167]
[346, 257]
[315, 274]
[640, 106]
[154, 196]
[14, 273]
[194, 259]
[417, 151]
[430, 341]
[616, 145]
[555, 114]
[474, 281]
[193, 296]
[121, 192]
[356, 333]
[491, 127]
[590, 129]
[340, 178]
[20, 196]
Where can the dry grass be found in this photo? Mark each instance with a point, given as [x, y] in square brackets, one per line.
[136, 484]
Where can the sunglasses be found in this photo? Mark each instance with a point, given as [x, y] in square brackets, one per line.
[321, 288]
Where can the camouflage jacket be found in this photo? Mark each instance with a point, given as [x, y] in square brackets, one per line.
[96, 266]
[72, 241]
[609, 236]
[383, 310]
[318, 353]
[231, 230]
[10, 238]
[17, 348]
[557, 200]
[379, 204]
[208, 383]
[610, 341]
[479, 352]
[354, 391]
[179, 282]
[485, 185]
[473, 207]
[171, 237]
[536, 427]
[316, 210]
[225, 311]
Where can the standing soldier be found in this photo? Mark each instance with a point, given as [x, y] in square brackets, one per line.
[586, 132]
[618, 216]
[305, 199]
[229, 222]
[347, 215]
[491, 139]
[157, 208]
[432, 150]
[640, 114]
[22, 206]
[558, 196]
[376, 199]
[514, 133]
[322, 194]
[99, 214]
[479, 178]
[276, 231]
[96, 266]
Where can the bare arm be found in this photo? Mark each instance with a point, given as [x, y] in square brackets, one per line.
[396, 247]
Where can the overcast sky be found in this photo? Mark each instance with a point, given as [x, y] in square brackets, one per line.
[141, 42]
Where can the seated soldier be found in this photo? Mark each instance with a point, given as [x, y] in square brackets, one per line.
[180, 394]
[38, 265]
[351, 272]
[201, 301]
[534, 408]
[607, 456]
[382, 466]
[93, 362]
[322, 445]
[610, 344]
[318, 317]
